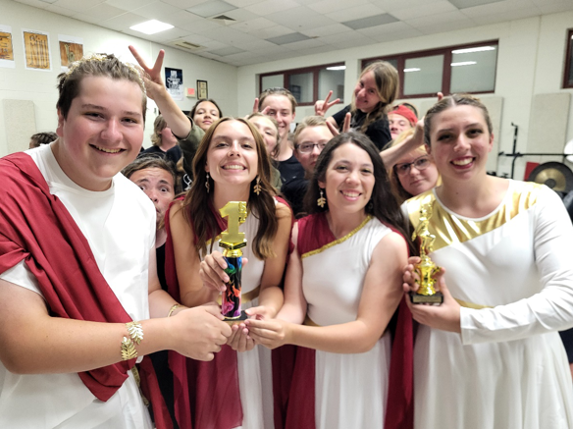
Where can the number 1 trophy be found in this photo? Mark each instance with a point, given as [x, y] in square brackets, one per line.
[233, 240]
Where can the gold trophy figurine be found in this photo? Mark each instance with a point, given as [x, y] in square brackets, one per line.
[426, 269]
[233, 240]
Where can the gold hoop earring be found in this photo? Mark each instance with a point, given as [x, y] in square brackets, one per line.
[321, 202]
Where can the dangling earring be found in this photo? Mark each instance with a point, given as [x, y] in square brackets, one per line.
[321, 201]
[207, 183]
[370, 205]
[257, 189]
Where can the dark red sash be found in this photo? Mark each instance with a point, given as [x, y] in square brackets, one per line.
[36, 227]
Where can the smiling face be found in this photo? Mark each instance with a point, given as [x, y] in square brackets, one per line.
[232, 155]
[268, 130]
[413, 180]
[349, 179]
[397, 124]
[366, 93]
[205, 114]
[460, 143]
[315, 138]
[102, 133]
[280, 108]
[158, 185]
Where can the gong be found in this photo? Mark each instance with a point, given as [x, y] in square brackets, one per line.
[555, 175]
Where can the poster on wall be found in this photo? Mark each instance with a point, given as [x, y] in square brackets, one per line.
[6, 47]
[202, 90]
[71, 49]
[174, 82]
[37, 48]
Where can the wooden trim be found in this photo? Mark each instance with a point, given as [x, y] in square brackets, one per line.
[568, 60]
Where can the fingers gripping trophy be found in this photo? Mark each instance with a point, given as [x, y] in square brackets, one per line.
[426, 268]
[233, 241]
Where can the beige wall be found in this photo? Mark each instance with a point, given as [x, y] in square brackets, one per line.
[40, 86]
[530, 62]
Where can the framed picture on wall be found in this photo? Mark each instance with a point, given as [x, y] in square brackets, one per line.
[71, 49]
[37, 48]
[202, 90]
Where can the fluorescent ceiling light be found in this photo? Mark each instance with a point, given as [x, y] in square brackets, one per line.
[463, 63]
[370, 21]
[468, 50]
[151, 27]
[336, 68]
[413, 69]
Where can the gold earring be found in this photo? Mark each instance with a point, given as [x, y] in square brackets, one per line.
[321, 202]
[207, 182]
[257, 189]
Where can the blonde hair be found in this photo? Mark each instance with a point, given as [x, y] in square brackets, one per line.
[309, 121]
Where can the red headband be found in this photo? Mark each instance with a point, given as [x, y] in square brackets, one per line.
[406, 113]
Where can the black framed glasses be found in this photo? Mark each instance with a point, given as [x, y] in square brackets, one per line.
[420, 164]
[309, 147]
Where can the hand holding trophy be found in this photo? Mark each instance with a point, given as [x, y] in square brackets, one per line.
[426, 268]
[233, 240]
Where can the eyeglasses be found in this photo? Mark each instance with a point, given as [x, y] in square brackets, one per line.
[309, 147]
[420, 164]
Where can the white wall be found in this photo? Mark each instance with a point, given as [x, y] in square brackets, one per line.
[530, 61]
[40, 86]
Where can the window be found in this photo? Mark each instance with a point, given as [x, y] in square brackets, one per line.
[568, 74]
[454, 69]
[308, 84]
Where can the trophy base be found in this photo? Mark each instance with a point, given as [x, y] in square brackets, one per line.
[416, 298]
[237, 319]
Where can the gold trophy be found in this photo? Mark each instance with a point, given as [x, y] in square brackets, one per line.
[233, 240]
[426, 269]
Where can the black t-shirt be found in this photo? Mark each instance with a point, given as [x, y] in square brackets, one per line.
[378, 132]
[153, 151]
[294, 192]
[290, 169]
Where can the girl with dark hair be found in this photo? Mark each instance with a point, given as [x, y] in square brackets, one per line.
[490, 355]
[375, 91]
[356, 226]
[232, 164]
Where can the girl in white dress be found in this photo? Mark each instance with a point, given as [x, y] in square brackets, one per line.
[231, 164]
[490, 355]
[344, 278]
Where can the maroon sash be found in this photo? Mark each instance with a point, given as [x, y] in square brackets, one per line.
[36, 227]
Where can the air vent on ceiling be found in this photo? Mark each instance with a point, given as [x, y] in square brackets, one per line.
[224, 18]
[186, 45]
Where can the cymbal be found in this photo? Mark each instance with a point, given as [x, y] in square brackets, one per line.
[555, 175]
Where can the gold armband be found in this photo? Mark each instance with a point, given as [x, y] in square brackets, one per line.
[172, 309]
[128, 350]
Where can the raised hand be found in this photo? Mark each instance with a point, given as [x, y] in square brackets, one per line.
[321, 106]
[152, 76]
[345, 125]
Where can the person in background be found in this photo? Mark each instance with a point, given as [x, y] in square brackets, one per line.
[162, 139]
[42, 138]
[400, 119]
[374, 93]
[413, 173]
[310, 138]
[269, 129]
[490, 355]
[280, 104]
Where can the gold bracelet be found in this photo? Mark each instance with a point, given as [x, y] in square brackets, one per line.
[172, 309]
[128, 350]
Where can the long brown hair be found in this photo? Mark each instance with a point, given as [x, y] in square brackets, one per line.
[387, 85]
[198, 201]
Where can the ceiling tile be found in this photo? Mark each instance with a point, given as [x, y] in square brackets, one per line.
[355, 12]
[124, 21]
[184, 4]
[229, 50]
[556, 7]
[269, 7]
[244, 3]
[35, 3]
[104, 11]
[463, 4]
[371, 21]
[497, 8]
[327, 30]
[60, 10]
[392, 31]
[157, 10]
[253, 26]
[506, 16]
[78, 5]
[128, 5]
[330, 6]
[300, 18]
[424, 10]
